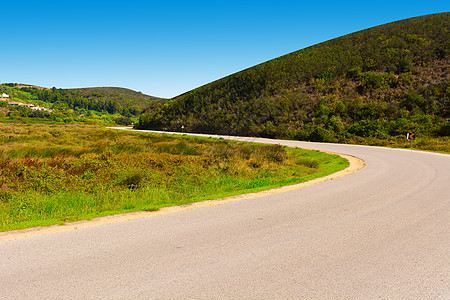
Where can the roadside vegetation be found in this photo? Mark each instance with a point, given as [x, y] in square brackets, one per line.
[370, 87]
[52, 174]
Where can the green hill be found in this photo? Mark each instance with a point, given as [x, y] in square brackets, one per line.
[102, 99]
[124, 97]
[374, 84]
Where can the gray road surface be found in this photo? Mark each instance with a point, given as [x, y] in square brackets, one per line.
[380, 233]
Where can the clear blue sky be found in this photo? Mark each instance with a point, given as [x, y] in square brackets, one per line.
[165, 48]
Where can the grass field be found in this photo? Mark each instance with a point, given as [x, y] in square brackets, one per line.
[52, 174]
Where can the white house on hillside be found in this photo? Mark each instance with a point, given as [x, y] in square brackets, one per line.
[4, 97]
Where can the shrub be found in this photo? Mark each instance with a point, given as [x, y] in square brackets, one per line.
[368, 128]
[274, 153]
[320, 134]
[123, 121]
[376, 80]
[132, 181]
[444, 130]
[309, 162]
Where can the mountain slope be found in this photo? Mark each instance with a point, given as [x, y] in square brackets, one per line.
[125, 97]
[380, 82]
[110, 99]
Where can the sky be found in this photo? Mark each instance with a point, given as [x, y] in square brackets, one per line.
[165, 48]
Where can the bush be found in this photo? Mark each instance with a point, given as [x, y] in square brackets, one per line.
[376, 80]
[123, 121]
[132, 181]
[320, 134]
[368, 128]
[444, 130]
[309, 162]
[274, 153]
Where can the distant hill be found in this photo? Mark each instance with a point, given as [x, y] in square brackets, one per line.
[125, 97]
[23, 85]
[110, 99]
[376, 83]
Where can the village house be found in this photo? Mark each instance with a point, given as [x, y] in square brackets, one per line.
[14, 103]
[26, 105]
[4, 97]
[40, 108]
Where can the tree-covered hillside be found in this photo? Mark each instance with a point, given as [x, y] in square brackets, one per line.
[112, 100]
[377, 83]
[125, 97]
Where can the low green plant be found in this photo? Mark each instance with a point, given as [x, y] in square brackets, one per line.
[52, 174]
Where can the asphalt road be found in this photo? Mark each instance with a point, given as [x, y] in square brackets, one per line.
[380, 233]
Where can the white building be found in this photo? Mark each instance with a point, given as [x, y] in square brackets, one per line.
[4, 97]
[40, 108]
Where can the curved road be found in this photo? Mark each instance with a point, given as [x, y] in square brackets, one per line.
[380, 233]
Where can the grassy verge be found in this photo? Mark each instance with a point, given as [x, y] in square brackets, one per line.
[434, 144]
[52, 174]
